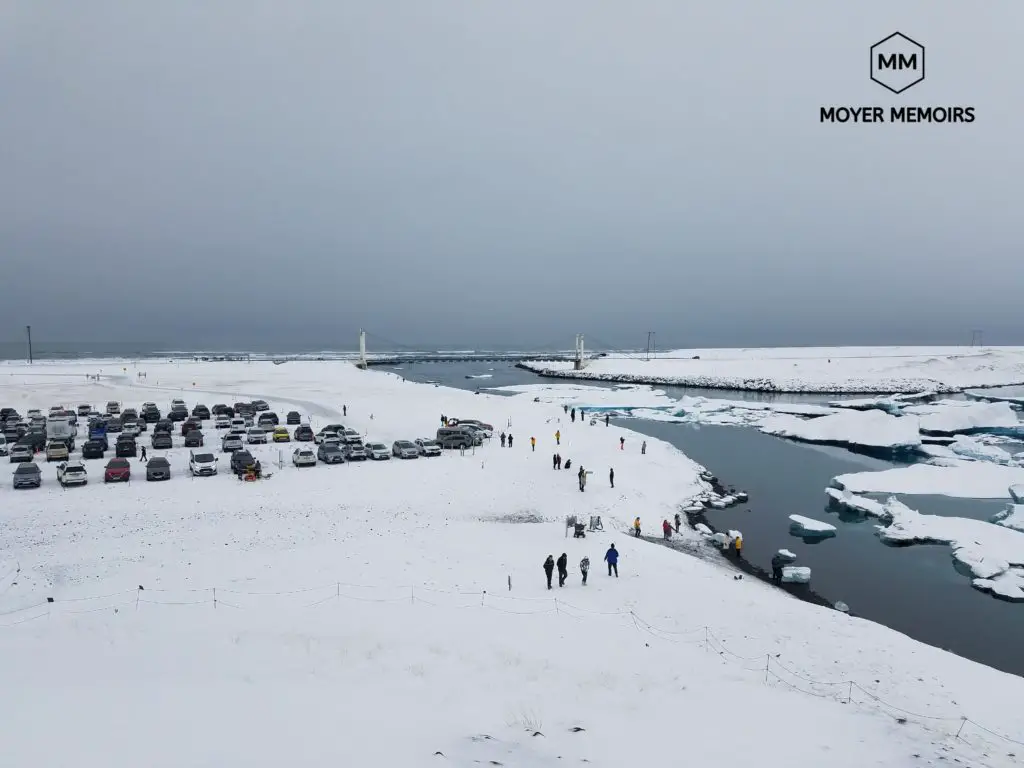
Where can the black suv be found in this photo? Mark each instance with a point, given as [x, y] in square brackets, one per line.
[162, 440]
[222, 410]
[164, 425]
[201, 412]
[293, 417]
[178, 413]
[240, 460]
[94, 449]
[124, 447]
[194, 439]
[268, 420]
[304, 433]
[150, 414]
[189, 424]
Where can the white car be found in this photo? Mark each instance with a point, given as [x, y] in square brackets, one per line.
[222, 422]
[323, 434]
[202, 464]
[256, 435]
[238, 423]
[71, 473]
[428, 447]
[132, 428]
[303, 457]
[350, 436]
[177, 403]
[377, 451]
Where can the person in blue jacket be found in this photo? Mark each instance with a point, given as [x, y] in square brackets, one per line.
[612, 558]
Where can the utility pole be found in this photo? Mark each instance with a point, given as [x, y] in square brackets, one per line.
[28, 332]
[650, 345]
[976, 339]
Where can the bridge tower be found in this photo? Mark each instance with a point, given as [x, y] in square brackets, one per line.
[579, 358]
[361, 363]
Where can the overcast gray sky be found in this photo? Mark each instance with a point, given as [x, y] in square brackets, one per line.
[506, 173]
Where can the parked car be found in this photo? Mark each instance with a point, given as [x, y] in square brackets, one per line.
[178, 403]
[455, 437]
[405, 449]
[141, 425]
[377, 451]
[93, 449]
[71, 473]
[129, 414]
[201, 412]
[231, 444]
[34, 437]
[353, 451]
[114, 425]
[84, 409]
[221, 422]
[194, 439]
[255, 435]
[428, 447]
[162, 440]
[267, 420]
[350, 436]
[28, 475]
[164, 425]
[303, 433]
[238, 422]
[324, 434]
[125, 447]
[260, 405]
[202, 464]
[484, 427]
[3, 445]
[304, 457]
[132, 428]
[281, 435]
[150, 413]
[293, 417]
[177, 413]
[113, 407]
[328, 453]
[57, 450]
[189, 424]
[243, 408]
[117, 471]
[240, 460]
[158, 468]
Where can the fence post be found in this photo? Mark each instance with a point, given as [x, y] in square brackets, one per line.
[963, 722]
[767, 661]
[706, 638]
[412, 594]
[849, 693]
[483, 596]
[138, 594]
[214, 598]
[556, 606]
[510, 582]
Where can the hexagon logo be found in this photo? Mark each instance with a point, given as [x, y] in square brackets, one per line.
[897, 62]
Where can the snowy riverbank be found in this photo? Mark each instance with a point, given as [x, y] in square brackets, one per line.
[336, 601]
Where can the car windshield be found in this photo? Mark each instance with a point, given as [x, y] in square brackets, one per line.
[158, 462]
[428, 442]
[204, 457]
[26, 469]
[117, 463]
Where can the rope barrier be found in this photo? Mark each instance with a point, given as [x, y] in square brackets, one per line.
[767, 663]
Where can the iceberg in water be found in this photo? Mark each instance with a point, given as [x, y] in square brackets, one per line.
[786, 555]
[865, 429]
[810, 529]
[971, 448]
[796, 574]
[949, 417]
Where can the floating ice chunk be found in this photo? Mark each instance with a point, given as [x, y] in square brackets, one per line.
[870, 429]
[805, 526]
[1011, 517]
[1017, 490]
[796, 574]
[786, 555]
[721, 539]
[978, 562]
[742, 496]
[1008, 585]
[864, 506]
[728, 500]
[734, 534]
[703, 530]
[718, 504]
[693, 509]
[967, 480]
[841, 607]
[972, 448]
[948, 417]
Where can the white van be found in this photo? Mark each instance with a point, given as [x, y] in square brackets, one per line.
[3, 445]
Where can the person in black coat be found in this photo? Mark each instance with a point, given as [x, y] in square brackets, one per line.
[549, 568]
[563, 569]
[777, 562]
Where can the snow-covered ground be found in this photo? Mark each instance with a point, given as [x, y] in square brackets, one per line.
[810, 369]
[395, 613]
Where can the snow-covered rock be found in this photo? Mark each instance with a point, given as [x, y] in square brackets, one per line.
[870, 429]
[805, 526]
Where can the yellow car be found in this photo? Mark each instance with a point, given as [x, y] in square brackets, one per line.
[281, 435]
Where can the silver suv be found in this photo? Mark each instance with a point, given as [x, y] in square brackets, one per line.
[231, 443]
[404, 449]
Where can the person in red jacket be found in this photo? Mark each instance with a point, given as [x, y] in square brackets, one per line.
[666, 528]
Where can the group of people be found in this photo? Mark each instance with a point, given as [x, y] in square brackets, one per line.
[666, 527]
[562, 564]
[506, 440]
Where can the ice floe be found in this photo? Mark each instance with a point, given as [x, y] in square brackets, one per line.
[949, 417]
[796, 574]
[809, 528]
[870, 429]
[992, 554]
[966, 480]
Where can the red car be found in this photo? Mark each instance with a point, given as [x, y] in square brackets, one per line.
[117, 471]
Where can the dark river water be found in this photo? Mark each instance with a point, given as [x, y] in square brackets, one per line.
[915, 590]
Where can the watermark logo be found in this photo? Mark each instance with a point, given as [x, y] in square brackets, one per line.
[897, 62]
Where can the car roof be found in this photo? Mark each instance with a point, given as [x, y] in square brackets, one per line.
[29, 466]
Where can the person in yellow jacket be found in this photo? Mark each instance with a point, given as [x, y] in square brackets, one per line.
[636, 527]
[533, 443]
[739, 546]
[558, 437]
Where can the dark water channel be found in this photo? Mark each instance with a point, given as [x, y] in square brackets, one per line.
[915, 589]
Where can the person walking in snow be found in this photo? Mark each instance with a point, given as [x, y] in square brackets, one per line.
[636, 527]
[344, 410]
[666, 529]
[558, 437]
[558, 461]
[565, 408]
[563, 569]
[611, 476]
[606, 419]
[549, 568]
[584, 568]
[444, 421]
[510, 440]
[677, 522]
[739, 547]
[502, 439]
[142, 458]
[579, 477]
[572, 415]
[554, 461]
[643, 448]
[533, 443]
[622, 443]
[612, 558]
